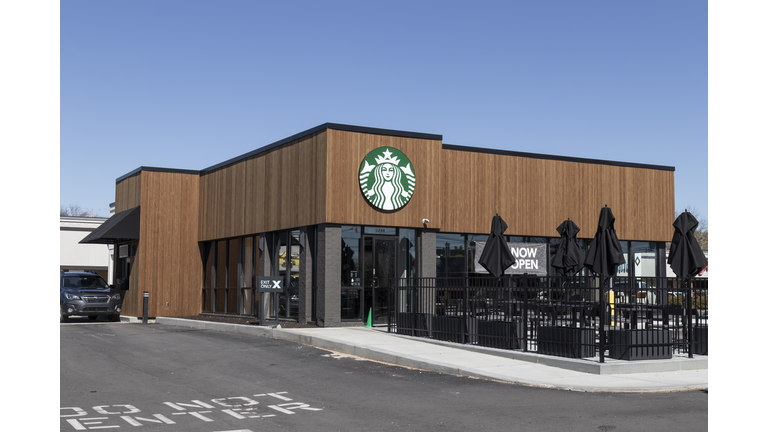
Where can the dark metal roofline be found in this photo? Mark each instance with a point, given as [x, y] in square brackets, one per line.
[391, 132]
[558, 158]
[334, 126]
[156, 169]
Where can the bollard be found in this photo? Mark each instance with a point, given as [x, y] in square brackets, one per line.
[611, 299]
[146, 307]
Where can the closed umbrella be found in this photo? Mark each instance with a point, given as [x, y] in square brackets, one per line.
[569, 257]
[685, 255]
[496, 256]
[687, 259]
[604, 255]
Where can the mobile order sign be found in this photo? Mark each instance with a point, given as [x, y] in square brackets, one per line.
[530, 258]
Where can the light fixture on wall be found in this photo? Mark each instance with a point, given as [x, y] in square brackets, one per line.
[425, 221]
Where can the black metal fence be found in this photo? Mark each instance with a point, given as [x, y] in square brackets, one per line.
[630, 319]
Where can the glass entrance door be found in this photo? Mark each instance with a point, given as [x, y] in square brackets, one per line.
[379, 261]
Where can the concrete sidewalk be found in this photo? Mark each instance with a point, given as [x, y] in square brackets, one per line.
[678, 374]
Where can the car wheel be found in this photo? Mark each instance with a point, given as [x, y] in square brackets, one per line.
[114, 318]
[62, 317]
[92, 317]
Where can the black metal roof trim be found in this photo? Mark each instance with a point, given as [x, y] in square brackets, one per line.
[156, 169]
[389, 132]
[558, 158]
[335, 126]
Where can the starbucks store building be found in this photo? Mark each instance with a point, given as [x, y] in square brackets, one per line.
[337, 211]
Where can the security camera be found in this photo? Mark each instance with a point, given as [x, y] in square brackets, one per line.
[425, 221]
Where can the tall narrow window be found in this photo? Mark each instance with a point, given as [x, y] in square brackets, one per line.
[248, 274]
[454, 258]
[644, 259]
[221, 276]
[406, 253]
[234, 273]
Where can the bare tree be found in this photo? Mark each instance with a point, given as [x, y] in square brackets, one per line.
[73, 210]
[702, 231]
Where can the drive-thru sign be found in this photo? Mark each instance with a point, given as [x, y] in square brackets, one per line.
[269, 288]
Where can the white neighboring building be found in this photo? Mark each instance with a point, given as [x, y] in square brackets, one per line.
[74, 256]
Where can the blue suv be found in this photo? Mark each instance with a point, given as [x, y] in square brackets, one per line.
[87, 294]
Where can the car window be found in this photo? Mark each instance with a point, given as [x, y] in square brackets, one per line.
[84, 281]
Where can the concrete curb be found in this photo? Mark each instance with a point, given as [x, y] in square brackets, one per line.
[610, 367]
[533, 371]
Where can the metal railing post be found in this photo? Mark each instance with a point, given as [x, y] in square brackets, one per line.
[525, 312]
[389, 304]
[602, 320]
[465, 328]
[689, 313]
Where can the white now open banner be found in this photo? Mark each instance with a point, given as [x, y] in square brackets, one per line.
[530, 258]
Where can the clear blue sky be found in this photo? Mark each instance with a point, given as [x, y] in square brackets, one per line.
[188, 84]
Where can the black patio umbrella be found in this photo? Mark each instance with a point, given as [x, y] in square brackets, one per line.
[604, 255]
[685, 255]
[496, 256]
[569, 257]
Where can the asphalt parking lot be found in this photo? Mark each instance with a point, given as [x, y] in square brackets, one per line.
[162, 377]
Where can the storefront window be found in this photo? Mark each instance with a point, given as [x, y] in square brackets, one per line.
[451, 256]
[584, 245]
[623, 270]
[350, 256]
[471, 239]
[554, 242]
[294, 264]
[221, 264]
[209, 273]
[233, 275]
[229, 274]
[287, 248]
[350, 304]
[233, 263]
[249, 262]
[249, 273]
[221, 276]
[644, 259]
[406, 255]
[209, 268]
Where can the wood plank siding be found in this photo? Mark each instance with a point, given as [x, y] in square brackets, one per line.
[128, 196]
[535, 195]
[168, 263]
[346, 204]
[314, 180]
[128, 193]
[278, 189]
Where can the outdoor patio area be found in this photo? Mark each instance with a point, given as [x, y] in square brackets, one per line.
[633, 318]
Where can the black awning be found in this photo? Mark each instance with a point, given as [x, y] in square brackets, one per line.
[120, 227]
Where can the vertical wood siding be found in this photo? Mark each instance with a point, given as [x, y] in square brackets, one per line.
[535, 195]
[171, 267]
[128, 193]
[278, 189]
[346, 204]
[128, 196]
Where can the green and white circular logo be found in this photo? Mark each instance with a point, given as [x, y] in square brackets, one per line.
[387, 179]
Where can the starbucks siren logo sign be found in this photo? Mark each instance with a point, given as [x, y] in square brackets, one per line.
[387, 179]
